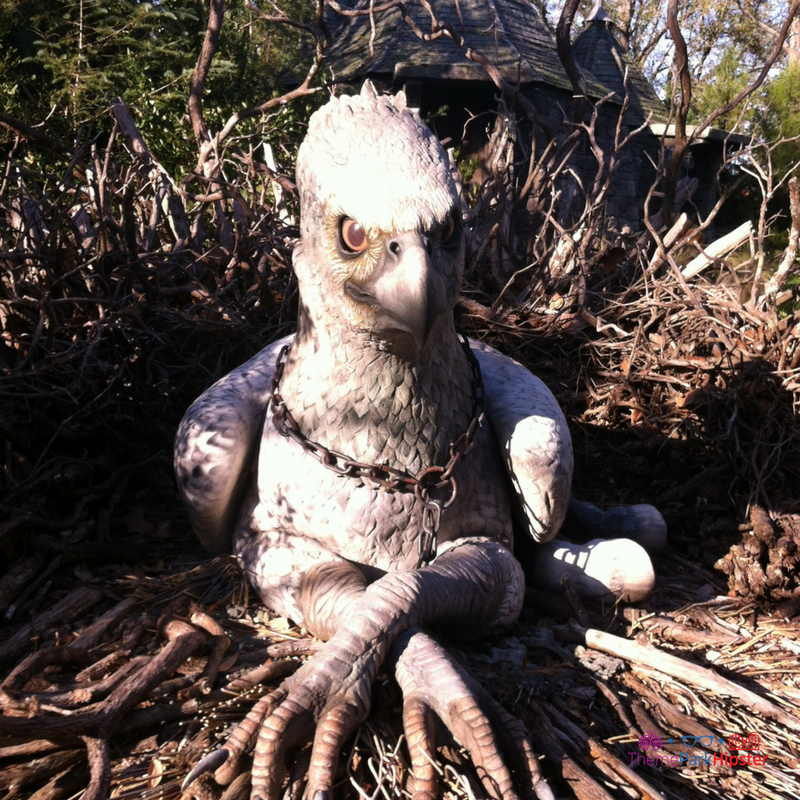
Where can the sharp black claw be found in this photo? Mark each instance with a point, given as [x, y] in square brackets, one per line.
[543, 790]
[211, 763]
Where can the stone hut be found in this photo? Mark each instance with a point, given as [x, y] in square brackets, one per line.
[600, 55]
[459, 101]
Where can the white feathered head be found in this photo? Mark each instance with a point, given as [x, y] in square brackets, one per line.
[381, 236]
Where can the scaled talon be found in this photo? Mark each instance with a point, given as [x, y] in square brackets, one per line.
[209, 763]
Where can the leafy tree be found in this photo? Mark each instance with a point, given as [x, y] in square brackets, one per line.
[782, 118]
[728, 80]
[64, 61]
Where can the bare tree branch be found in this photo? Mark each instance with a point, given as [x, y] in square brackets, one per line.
[650, 47]
[624, 18]
[198, 85]
[789, 259]
[682, 140]
[365, 12]
[439, 29]
[789, 44]
[209, 144]
[302, 90]
[684, 80]
[26, 131]
[746, 92]
[564, 47]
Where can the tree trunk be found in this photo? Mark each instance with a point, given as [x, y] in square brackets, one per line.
[624, 17]
[793, 43]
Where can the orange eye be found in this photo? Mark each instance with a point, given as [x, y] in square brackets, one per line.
[354, 240]
[448, 229]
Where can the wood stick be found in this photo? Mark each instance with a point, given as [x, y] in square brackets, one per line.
[720, 247]
[616, 704]
[295, 647]
[35, 663]
[86, 692]
[670, 237]
[75, 604]
[100, 768]
[105, 666]
[65, 784]
[683, 193]
[38, 769]
[700, 677]
[667, 628]
[30, 748]
[92, 634]
[789, 258]
[581, 783]
[648, 791]
[239, 788]
[18, 577]
[274, 670]
[100, 719]
[670, 712]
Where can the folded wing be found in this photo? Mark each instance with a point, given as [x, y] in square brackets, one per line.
[533, 436]
[215, 448]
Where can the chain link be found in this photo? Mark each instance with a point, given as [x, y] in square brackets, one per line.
[423, 484]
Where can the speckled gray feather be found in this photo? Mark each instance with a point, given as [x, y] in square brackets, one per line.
[348, 519]
[216, 445]
[534, 440]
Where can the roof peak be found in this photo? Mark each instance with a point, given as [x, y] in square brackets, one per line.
[598, 13]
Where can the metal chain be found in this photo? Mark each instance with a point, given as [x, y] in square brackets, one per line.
[423, 484]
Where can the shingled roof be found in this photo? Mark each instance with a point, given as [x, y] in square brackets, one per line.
[598, 52]
[509, 32]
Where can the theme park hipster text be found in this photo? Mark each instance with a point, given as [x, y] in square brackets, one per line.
[740, 752]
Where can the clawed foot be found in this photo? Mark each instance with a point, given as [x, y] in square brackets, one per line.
[642, 524]
[330, 693]
[226, 763]
[435, 686]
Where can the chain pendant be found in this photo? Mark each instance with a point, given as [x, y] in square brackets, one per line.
[388, 478]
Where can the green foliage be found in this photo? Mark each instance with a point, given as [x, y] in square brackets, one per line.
[64, 62]
[782, 118]
[728, 80]
[772, 114]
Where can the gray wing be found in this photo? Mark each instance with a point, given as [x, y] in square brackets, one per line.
[533, 435]
[215, 447]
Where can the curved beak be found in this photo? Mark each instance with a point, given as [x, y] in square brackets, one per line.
[406, 290]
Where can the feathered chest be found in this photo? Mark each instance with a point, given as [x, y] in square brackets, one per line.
[385, 417]
[377, 409]
[360, 519]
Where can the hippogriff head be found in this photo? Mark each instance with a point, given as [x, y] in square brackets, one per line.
[382, 245]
